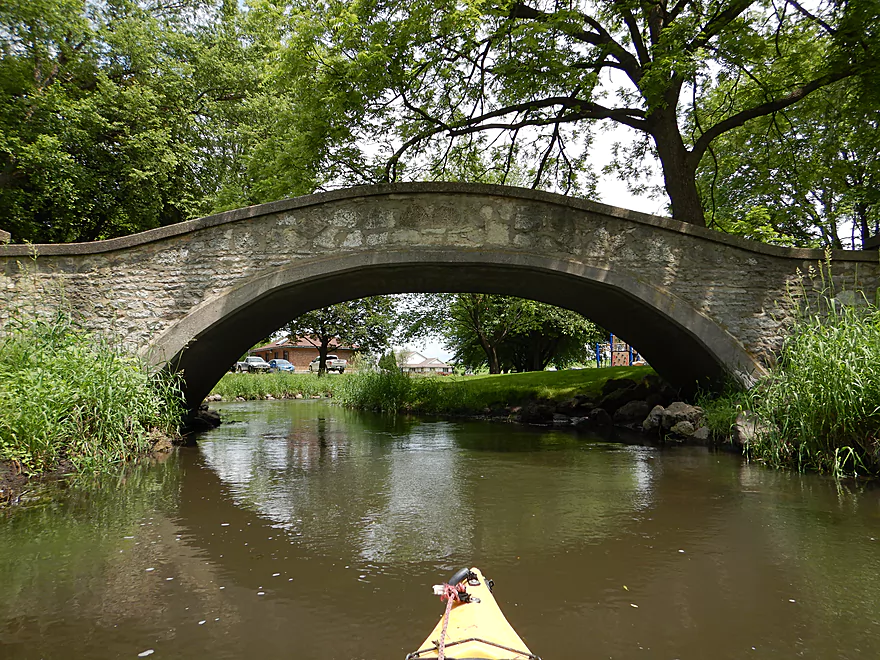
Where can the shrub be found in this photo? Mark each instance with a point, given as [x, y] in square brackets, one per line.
[386, 391]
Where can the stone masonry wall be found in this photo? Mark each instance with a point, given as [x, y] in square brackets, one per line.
[138, 286]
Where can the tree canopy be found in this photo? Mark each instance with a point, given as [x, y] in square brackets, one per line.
[802, 177]
[502, 333]
[431, 83]
[117, 116]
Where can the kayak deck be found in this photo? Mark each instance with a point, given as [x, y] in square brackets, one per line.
[476, 629]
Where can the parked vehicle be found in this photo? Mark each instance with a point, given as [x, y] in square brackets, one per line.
[281, 365]
[334, 363]
[252, 364]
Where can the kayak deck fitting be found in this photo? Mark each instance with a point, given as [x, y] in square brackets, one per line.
[473, 626]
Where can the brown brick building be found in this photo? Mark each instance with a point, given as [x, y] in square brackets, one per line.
[300, 352]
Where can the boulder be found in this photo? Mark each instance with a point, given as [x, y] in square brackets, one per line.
[679, 411]
[614, 384]
[202, 419]
[298, 395]
[702, 435]
[746, 429]
[624, 391]
[654, 419]
[159, 442]
[600, 417]
[634, 411]
[536, 412]
[683, 429]
[577, 406]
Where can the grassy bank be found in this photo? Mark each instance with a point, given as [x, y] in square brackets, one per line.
[279, 385]
[69, 396]
[394, 392]
[819, 407]
[822, 402]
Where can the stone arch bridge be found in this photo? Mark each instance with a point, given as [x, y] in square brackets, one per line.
[698, 304]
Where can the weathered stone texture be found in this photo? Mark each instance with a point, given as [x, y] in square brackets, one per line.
[153, 281]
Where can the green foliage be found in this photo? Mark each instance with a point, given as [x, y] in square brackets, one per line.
[501, 332]
[388, 362]
[279, 385]
[119, 117]
[380, 391]
[69, 395]
[803, 177]
[720, 411]
[396, 392]
[819, 406]
[436, 89]
[821, 403]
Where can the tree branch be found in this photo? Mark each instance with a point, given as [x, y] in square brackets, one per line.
[581, 110]
[830, 30]
[635, 35]
[717, 23]
[600, 37]
[762, 110]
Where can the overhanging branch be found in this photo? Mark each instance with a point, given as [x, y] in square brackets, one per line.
[579, 110]
[762, 110]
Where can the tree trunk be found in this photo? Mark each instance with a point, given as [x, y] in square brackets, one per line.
[861, 212]
[679, 169]
[491, 355]
[322, 354]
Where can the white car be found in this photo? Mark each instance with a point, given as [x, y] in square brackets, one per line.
[252, 364]
[334, 363]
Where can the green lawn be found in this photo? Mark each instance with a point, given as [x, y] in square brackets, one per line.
[393, 392]
[509, 389]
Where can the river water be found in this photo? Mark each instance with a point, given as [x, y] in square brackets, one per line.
[303, 530]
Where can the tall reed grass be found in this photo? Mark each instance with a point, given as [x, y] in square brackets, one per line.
[393, 391]
[69, 395]
[819, 406]
[821, 403]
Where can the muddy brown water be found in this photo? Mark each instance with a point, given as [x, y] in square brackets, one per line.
[302, 530]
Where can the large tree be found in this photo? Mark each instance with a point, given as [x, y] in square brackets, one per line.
[367, 324]
[122, 115]
[523, 79]
[500, 332]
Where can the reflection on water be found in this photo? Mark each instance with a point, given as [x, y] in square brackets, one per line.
[303, 530]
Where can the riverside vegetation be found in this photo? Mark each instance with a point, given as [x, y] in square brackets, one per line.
[70, 398]
[391, 391]
[819, 406]
[278, 385]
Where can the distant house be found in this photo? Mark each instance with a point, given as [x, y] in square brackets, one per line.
[416, 363]
[300, 352]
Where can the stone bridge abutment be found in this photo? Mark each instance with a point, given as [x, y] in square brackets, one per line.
[699, 305]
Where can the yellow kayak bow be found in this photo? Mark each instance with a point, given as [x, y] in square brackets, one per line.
[473, 626]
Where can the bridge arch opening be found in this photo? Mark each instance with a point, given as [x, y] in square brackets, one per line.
[685, 347]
